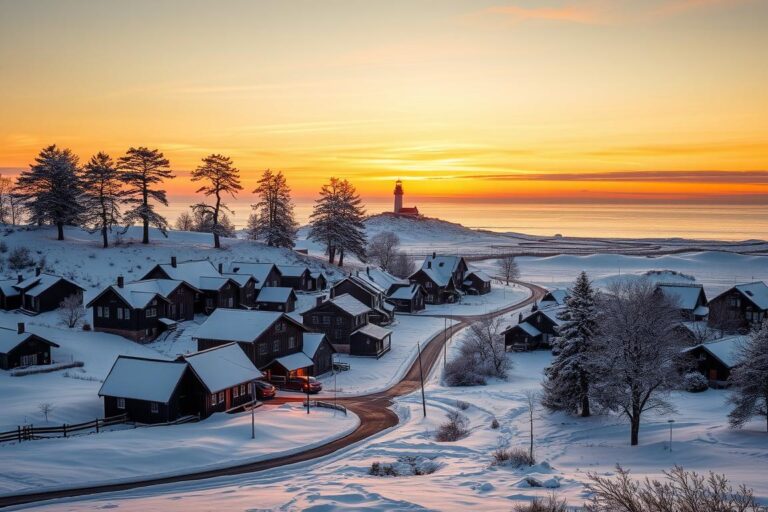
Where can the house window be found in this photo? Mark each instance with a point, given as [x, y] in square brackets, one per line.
[291, 342]
[734, 302]
[127, 314]
[236, 392]
[29, 360]
[221, 397]
[104, 312]
[250, 388]
[181, 309]
[209, 302]
[315, 319]
[326, 320]
[213, 399]
[242, 389]
[151, 312]
[339, 320]
[337, 333]
[263, 349]
[428, 284]
[276, 346]
[154, 407]
[231, 302]
[121, 403]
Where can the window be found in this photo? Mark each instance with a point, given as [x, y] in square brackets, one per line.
[337, 333]
[326, 320]
[428, 284]
[181, 309]
[121, 403]
[291, 342]
[236, 392]
[208, 302]
[276, 346]
[104, 312]
[154, 407]
[151, 312]
[315, 319]
[221, 397]
[280, 327]
[339, 320]
[250, 388]
[263, 349]
[29, 360]
[242, 389]
[119, 313]
[213, 399]
[127, 314]
[231, 302]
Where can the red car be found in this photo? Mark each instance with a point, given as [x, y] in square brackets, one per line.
[264, 390]
[304, 384]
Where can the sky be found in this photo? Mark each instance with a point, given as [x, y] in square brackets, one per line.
[551, 100]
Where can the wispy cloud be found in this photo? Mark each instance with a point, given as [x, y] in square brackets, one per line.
[756, 177]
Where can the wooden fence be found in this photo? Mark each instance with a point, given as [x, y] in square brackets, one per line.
[327, 405]
[30, 432]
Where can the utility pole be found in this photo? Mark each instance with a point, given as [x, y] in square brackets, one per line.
[253, 408]
[670, 434]
[307, 395]
[421, 374]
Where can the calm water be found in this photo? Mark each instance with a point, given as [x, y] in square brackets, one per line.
[718, 222]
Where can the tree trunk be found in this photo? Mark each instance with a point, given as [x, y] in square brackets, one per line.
[635, 422]
[585, 406]
[60, 228]
[341, 257]
[331, 254]
[104, 237]
[145, 237]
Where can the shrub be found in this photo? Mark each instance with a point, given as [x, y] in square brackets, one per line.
[3, 247]
[86, 326]
[494, 423]
[682, 490]
[516, 457]
[20, 258]
[695, 382]
[462, 405]
[404, 466]
[462, 372]
[548, 504]
[453, 429]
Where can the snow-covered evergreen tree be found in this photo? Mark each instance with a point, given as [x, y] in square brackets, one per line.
[337, 220]
[102, 187]
[222, 178]
[566, 387]
[637, 352]
[750, 380]
[51, 190]
[143, 169]
[273, 220]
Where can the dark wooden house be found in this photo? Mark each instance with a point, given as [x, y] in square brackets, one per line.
[370, 340]
[317, 347]
[442, 278]
[716, 359]
[319, 281]
[247, 291]
[215, 290]
[408, 299]
[264, 336]
[740, 308]
[554, 298]
[370, 294]
[10, 297]
[265, 274]
[477, 283]
[689, 299]
[537, 330]
[297, 277]
[337, 318]
[276, 299]
[143, 309]
[45, 292]
[20, 348]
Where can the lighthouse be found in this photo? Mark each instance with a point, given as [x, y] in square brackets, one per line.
[398, 196]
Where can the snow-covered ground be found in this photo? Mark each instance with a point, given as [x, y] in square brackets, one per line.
[500, 297]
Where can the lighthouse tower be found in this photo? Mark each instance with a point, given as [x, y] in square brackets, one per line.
[398, 196]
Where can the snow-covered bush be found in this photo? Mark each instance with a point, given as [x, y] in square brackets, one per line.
[462, 372]
[681, 490]
[494, 424]
[548, 504]
[20, 258]
[453, 429]
[695, 382]
[481, 354]
[462, 405]
[404, 466]
[516, 457]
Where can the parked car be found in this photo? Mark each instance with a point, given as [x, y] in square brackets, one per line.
[304, 384]
[264, 390]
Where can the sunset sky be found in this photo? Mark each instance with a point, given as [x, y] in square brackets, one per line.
[520, 100]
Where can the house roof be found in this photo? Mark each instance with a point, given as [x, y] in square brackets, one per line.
[213, 283]
[294, 361]
[260, 271]
[685, 296]
[143, 379]
[442, 262]
[557, 296]
[139, 294]
[529, 329]
[726, 350]
[373, 331]
[240, 279]
[363, 282]
[311, 342]
[10, 339]
[237, 324]
[276, 294]
[193, 272]
[405, 292]
[480, 275]
[222, 367]
[382, 278]
[36, 285]
[292, 270]
[552, 314]
[757, 292]
[7, 287]
[350, 305]
[439, 278]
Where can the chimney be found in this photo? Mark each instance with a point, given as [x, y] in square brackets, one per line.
[20, 327]
[19, 278]
[434, 255]
[429, 264]
[520, 318]
[173, 261]
[37, 271]
[120, 281]
[368, 271]
[221, 268]
[320, 300]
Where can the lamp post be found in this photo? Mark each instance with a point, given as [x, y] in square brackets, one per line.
[335, 388]
[670, 433]
[421, 375]
[253, 408]
[307, 387]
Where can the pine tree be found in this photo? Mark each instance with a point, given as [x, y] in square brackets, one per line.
[337, 220]
[750, 380]
[223, 178]
[569, 376]
[273, 219]
[142, 170]
[102, 184]
[50, 190]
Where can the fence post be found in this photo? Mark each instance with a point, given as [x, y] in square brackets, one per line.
[64, 427]
[97, 425]
[18, 431]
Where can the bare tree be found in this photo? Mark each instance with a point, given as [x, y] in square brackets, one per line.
[383, 249]
[72, 310]
[403, 265]
[508, 268]
[532, 402]
[750, 380]
[483, 343]
[185, 222]
[45, 408]
[636, 351]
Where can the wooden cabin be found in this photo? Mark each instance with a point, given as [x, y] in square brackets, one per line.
[215, 290]
[537, 330]
[370, 340]
[370, 294]
[276, 299]
[442, 278]
[554, 298]
[263, 335]
[337, 318]
[740, 308]
[141, 310]
[297, 277]
[19, 348]
[477, 282]
[317, 347]
[247, 291]
[408, 299]
[10, 297]
[319, 281]
[689, 299]
[45, 292]
[265, 274]
[716, 359]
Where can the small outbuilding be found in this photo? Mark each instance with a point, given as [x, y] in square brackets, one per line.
[276, 299]
[19, 348]
[370, 340]
[45, 292]
[716, 359]
[317, 347]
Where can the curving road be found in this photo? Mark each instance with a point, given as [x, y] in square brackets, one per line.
[374, 411]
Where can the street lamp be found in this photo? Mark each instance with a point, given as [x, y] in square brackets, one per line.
[670, 433]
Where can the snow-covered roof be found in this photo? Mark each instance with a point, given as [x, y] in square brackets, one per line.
[381, 278]
[192, 272]
[143, 379]
[139, 293]
[236, 324]
[528, 328]
[553, 314]
[480, 275]
[10, 339]
[684, 296]
[373, 331]
[295, 361]
[34, 286]
[701, 311]
[222, 367]
[349, 304]
[311, 342]
[365, 283]
[292, 270]
[260, 271]
[442, 262]
[439, 278]
[726, 350]
[757, 292]
[240, 279]
[316, 275]
[405, 292]
[212, 283]
[275, 294]
[7, 287]
[557, 296]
